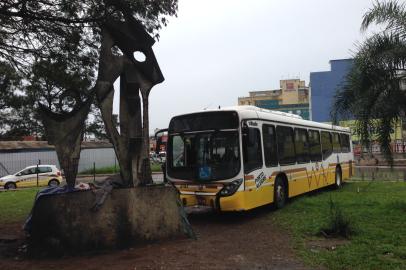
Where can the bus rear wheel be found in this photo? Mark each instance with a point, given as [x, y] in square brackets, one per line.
[280, 194]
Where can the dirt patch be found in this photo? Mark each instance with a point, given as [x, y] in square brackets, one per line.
[331, 244]
[224, 241]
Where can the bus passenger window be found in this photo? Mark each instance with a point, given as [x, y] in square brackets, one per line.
[345, 143]
[336, 143]
[314, 145]
[269, 141]
[252, 152]
[326, 144]
[301, 145]
[286, 146]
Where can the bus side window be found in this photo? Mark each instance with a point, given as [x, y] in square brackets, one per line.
[178, 152]
[269, 141]
[314, 145]
[345, 143]
[336, 143]
[301, 145]
[286, 145]
[252, 150]
[326, 144]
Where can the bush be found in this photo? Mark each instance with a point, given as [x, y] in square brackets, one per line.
[339, 225]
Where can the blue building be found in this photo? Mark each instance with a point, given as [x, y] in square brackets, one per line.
[323, 86]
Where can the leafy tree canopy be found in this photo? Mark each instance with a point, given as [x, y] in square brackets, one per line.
[374, 92]
[49, 47]
[31, 29]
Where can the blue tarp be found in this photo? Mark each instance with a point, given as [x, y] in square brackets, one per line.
[46, 191]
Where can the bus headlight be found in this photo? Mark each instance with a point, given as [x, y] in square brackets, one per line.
[231, 188]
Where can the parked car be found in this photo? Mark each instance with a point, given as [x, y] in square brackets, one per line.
[162, 156]
[157, 158]
[47, 175]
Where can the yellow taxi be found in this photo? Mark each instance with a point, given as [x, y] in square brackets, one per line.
[41, 175]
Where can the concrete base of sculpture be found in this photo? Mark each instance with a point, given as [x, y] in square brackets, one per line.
[65, 223]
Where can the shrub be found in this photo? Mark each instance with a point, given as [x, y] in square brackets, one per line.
[339, 225]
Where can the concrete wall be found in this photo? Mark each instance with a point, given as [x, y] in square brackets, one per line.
[324, 86]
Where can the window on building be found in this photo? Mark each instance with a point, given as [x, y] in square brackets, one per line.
[252, 150]
[269, 141]
[314, 145]
[345, 143]
[326, 144]
[301, 145]
[286, 146]
[336, 143]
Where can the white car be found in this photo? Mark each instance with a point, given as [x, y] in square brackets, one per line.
[162, 156]
[46, 175]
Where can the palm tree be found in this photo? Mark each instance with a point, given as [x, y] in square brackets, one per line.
[374, 91]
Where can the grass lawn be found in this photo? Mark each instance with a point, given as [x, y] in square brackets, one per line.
[377, 213]
[155, 167]
[16, 205]
[376, 210]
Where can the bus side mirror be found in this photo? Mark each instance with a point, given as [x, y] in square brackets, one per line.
[158, 145]
[158, 140]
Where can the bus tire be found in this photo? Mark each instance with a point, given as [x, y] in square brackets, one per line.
[338, 178]
[280, 193]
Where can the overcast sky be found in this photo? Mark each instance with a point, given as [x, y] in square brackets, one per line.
[218, 50]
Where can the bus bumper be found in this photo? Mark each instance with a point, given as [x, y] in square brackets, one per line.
[239, 201]
[198, 200]
[230, 203]
[235, 202]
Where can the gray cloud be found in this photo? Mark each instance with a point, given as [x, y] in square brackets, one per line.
[216, 51]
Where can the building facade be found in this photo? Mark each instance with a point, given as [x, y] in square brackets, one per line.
[291, 97]
[323, 86]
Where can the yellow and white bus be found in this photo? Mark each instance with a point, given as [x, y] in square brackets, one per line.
[239, 158]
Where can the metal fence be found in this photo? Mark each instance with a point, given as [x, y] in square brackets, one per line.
[11, 163]
[380, 173]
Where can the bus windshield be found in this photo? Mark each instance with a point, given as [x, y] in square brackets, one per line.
[204, 156]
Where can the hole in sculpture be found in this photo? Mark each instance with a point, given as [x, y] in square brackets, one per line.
[116, 51]
[116, 101]
[139, 56]
[67, 103]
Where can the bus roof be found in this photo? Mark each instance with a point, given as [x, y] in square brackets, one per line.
[253, 112]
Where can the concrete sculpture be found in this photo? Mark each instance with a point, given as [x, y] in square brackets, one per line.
[137, 77]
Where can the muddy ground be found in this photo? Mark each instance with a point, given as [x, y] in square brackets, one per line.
[224, 241]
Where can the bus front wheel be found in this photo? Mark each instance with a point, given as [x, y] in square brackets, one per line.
[280, 194]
